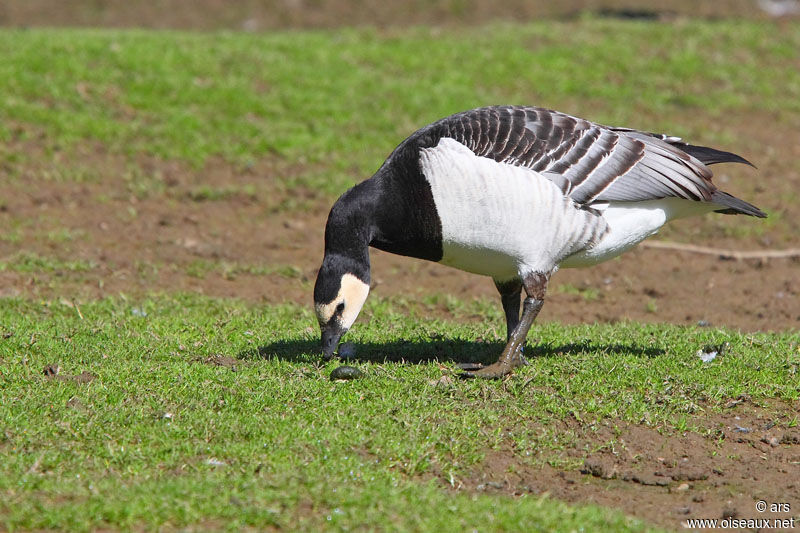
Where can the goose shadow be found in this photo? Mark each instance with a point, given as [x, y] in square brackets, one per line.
[441, 350]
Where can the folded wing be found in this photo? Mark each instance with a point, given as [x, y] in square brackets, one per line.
[588, 161]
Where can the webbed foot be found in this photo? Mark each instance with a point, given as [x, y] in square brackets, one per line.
[497, 370]
[493, 371]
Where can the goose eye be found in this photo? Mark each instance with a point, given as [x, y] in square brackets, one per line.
[340, 307]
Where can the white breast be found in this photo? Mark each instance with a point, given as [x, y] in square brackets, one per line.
[502, 220]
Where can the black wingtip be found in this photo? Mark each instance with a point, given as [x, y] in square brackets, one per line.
[711, 156]
[735, 206]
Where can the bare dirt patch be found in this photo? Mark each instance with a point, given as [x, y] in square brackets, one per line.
[256, 15]
[53, 371]
[137, 225]
[740, 456]
[222, 360]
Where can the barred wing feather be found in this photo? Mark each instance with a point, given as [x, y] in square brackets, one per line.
[588, 161]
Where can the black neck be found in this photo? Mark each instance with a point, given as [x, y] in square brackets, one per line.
[393, 211]
[350, 228]
[407, 222]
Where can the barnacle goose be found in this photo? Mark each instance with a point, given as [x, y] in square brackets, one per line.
[513, 193]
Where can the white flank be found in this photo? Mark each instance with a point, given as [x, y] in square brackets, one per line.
[629, 223]
[502, 220]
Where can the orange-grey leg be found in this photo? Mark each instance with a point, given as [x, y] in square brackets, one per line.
[535, 288]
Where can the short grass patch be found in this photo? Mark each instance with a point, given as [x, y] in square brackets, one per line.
[344, 98]
[32, 262]
[200, 268]
[186, 411]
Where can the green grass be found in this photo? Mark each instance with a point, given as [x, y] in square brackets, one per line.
[162, 438]
[32, 262]
[205, 193]
[587, 293]
[334, 103]
[200, 268]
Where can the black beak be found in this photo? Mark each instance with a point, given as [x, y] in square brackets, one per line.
[331, 333]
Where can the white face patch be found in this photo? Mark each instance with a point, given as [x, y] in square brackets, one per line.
[352, 293]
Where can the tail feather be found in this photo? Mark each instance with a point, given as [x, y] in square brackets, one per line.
[735, 206]
[711, 156]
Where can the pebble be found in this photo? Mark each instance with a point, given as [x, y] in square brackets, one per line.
[346, 373]
[597, 468]
[790, 438]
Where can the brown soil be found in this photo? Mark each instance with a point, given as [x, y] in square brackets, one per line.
[170, 234]
[665, 477]
[54, 372]
[257, 15]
